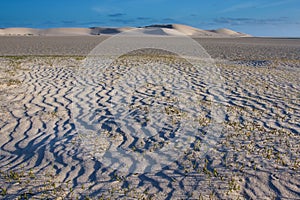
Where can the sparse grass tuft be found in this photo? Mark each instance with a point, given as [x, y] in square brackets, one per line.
[11, 82]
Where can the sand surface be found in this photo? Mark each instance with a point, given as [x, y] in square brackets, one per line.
[44, 155]
[218, 48]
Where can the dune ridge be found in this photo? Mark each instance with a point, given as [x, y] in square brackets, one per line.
[168, 29]
[226, 31]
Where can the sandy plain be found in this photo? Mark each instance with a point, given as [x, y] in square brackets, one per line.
[43, 155]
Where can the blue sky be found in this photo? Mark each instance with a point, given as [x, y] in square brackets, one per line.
[256, 17]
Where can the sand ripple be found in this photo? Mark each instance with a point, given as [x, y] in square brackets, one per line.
[43, 155]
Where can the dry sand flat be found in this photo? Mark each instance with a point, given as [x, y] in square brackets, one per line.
[218, 48]
[257, 155]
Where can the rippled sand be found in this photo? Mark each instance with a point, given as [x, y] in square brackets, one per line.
[256, 155]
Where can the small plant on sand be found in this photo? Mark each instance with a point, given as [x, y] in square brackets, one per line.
[10, 72]
[14, 175]
[54, 114]
[31, 174]
[216, 174]
[13, 82]
[233, 185]
[79, 58]
[16, 58]
[203, 121]
[3, 191]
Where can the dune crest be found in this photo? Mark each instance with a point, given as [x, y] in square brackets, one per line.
[225, 31]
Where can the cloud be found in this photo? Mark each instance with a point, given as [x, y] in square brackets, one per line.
[116, 15]
[13, 24]
[247, 21]
[107, 10]
[239, 7]
[275, 3]
[169, 20]
[256, 5]
[164, 20]
[122, 21]
[76, 23]
[90, 23]
[99, 9]
[68, 22]
[48, 22]
[144, 18]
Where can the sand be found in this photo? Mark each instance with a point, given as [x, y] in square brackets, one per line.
[168, 29]
[219, 48]
[225, 31]
[43, 155]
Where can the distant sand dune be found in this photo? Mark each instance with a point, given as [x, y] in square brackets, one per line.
[168, 29]
[191, 31]
[226, 31]
[108, 31]
[65, 31]
[19, 31]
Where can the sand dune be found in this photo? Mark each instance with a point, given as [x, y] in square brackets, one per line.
[191, 31]
[64, 31]
[45, 32]
[196, 32]
[225, 31]
[169, 29]
[19, 31]
[153, 31]
[186, 30]
[108, 31]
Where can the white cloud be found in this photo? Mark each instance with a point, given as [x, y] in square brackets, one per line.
[256, 4]
[276, 3]
[106, 10]
[238, 7]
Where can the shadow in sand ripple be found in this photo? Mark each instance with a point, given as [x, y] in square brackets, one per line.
[149, 105]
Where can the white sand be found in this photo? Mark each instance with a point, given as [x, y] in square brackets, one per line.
[19, 31]
[256, 157]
